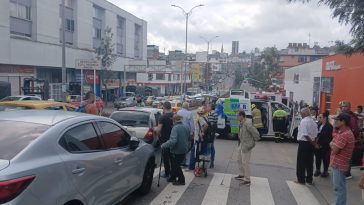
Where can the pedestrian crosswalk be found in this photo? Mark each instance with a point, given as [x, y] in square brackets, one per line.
[223, 189]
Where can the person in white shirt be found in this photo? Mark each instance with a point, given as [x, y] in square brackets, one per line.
[307, 133]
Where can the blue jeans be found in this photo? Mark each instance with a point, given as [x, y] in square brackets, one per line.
[338, 178]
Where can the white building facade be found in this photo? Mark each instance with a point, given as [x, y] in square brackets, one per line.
[30, 39]
[302, 83]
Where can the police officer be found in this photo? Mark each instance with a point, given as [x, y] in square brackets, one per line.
[257, 119]
[279, 124]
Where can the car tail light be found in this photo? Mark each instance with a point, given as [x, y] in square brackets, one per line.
[12, 188]
[149, 134]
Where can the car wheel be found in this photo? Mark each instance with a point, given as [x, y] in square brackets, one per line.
[147, 178]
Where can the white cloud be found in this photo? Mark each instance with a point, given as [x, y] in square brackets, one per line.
[255, 23]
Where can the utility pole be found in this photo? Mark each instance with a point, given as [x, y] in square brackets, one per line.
[187, 15]
[64, 72]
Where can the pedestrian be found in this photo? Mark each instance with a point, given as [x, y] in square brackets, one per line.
[345, 107]
[188, 122]
[280, 124]
[164, 131]
[342, 147]
[177, 145]
[257, 119]
[323, 139]
[307, 133]
[360, 114]
[212, 118]
[88, 105]
[248, 135]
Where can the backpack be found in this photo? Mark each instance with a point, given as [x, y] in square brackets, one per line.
[81, 109]
[209, 134]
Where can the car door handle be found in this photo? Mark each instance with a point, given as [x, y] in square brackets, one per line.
[78, 170]
[118, 161]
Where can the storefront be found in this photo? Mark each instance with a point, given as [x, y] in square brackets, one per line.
[342, 79]
[15, 75]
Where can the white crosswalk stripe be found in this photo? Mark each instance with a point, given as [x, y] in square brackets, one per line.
[302, 194]
[171, 194]
[219, 187]
[260, 192]
[218, 191]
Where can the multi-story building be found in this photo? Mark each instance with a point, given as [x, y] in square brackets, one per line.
[300, 53]
[235, 48]
[31, 39]
[153, 52]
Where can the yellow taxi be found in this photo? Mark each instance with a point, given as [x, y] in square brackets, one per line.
[176, 105]
[37, 105]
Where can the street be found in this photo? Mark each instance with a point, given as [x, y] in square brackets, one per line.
[273, 172]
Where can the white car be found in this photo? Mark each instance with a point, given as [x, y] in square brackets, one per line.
[20, 98]
[141, 120]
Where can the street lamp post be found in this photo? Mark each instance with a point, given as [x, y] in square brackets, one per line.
[187, 15]
[208, 41]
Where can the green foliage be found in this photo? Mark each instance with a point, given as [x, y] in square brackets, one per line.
[348, 12]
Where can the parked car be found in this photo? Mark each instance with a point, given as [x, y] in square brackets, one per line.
[143, 121]
[149, 100]
[158, 102]
[99, 103]
[64, 158]
[37, 105]
[123, 102]
[20, 98]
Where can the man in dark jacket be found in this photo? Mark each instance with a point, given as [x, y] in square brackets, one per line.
[164, 131]
[178, 145]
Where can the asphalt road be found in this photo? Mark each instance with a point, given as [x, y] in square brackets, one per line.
[273, 171]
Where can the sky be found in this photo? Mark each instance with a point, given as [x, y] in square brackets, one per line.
[254, 23]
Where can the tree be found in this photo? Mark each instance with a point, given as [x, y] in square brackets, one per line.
[349, 12]
[105, 53]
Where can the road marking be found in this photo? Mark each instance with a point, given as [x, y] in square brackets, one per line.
[171, 194]
[260, 192]
[302, 194]
[156, 172]
[217, 193]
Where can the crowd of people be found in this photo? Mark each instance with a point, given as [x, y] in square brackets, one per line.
[334, 146]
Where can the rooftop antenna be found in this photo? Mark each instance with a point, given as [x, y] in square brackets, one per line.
[309, 39]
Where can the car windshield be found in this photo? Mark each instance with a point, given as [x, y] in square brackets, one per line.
[13, 140]
[131, 118]
[10, 98]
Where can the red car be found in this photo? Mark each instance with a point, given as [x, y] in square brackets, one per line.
[75, 100]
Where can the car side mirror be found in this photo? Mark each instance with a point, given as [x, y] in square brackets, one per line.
[134, 143]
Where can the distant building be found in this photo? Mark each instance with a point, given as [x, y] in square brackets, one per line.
[153, 52]
[176, 55]
[235, 48]
[299, 53]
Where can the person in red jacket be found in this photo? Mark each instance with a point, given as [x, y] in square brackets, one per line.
[345, 107]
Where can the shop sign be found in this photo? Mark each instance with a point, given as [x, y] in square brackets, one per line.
[89, 77]
[331, 65]
[16, 69]
[87, 64]
[112, 83]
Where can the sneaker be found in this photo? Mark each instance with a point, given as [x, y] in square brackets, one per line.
[178, 183]
[239, 177]
[171, 180]
[245, 182]
[310, 183]
[301, 183]
[349, 177]
[317, 173]
[212, 164]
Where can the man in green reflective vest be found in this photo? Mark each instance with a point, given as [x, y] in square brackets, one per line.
[280, 124]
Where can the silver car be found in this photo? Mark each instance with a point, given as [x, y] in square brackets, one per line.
[69, 158]
[142, 120]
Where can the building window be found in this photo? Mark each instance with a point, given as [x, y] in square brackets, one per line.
[150, 76]
[97, 33]
[327, 84]
[169, 77]
[120, 35]
[138, 41]
[178, 76]
[70, 25]
[296, 78]
[20, 18]
[20, 11]
[302, 59]
[160, 76]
